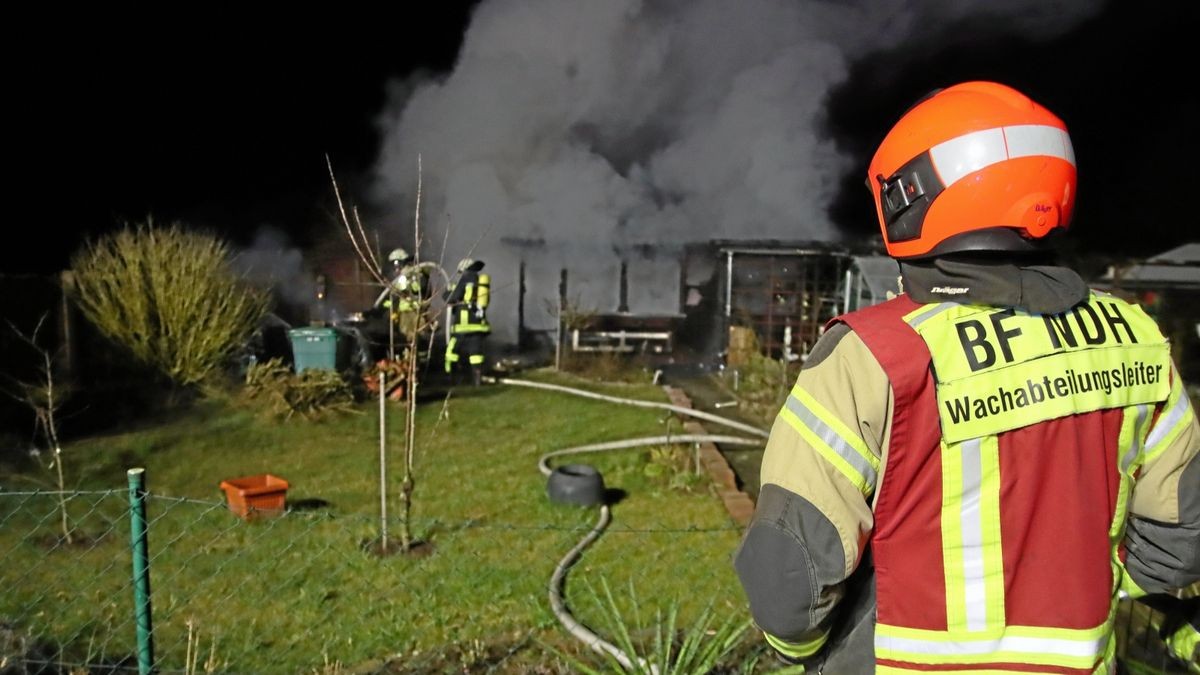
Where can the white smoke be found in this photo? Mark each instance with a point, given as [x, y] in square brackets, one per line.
[594, 127]
[272, 262]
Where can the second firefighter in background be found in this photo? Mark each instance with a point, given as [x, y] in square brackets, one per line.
[468, 319]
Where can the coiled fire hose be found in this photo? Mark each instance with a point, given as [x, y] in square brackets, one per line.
[557, 580]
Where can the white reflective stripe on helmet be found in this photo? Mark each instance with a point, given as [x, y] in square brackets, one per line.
[957, 157]
[1032, 140]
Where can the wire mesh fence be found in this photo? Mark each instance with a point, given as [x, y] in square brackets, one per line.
[312, 591]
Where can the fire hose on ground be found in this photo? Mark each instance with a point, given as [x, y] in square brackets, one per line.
[557, 603]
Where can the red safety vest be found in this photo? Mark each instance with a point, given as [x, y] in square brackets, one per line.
[993, 554]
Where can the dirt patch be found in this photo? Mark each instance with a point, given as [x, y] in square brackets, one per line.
[416, 549]
[79, 541]
[524, 657]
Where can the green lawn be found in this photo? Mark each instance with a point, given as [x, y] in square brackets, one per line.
[297, 594]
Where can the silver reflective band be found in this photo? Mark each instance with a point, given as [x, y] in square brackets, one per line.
[957, 157]
[972, 536]
[1008, 643]
[941, 307]
[831, 438]
[1167, 422]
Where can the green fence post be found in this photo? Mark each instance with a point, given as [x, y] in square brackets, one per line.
[141, 569]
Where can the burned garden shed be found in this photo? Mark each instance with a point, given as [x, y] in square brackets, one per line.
[680, 299]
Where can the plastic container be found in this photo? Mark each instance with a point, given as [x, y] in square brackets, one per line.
[253, 496]
[317, 348]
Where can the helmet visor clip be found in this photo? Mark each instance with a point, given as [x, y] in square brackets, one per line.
[899, 192]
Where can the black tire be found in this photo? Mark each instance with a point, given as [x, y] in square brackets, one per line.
[579, 484]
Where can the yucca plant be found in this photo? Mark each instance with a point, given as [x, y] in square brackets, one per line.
[663, 647]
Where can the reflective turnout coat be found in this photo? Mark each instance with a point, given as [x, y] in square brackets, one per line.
[1002, 474]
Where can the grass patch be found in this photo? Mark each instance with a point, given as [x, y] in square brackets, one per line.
[298, 593]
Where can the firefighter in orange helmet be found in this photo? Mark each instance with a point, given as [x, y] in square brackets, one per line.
[965, 477]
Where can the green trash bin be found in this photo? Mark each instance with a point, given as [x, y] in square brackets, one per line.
[317, 348]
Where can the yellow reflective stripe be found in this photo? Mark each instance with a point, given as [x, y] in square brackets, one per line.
[894, 670]
[1130, 444]
[1131, 459]
[469, 293]
[973, 558]
[1103, 669]
[1184, 642]
[1175, 418]
[1128, 585]
[989, 522]
[1130, 440]
[926, 635]
[832, 439]
[952, 537]
[796, 651]
[1015, 644]
[461, 328]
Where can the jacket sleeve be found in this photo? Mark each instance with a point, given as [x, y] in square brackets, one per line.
[813, 515]
[1162, 536]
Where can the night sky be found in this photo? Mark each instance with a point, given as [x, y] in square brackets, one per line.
[224, 121]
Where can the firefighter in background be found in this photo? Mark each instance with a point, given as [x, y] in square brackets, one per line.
[468, 319]
[964, 478]
[405, 294]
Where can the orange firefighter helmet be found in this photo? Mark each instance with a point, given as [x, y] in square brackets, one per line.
[976, 166]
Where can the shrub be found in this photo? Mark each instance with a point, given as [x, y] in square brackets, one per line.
[312, 393]
[170, 296]
[674, 466]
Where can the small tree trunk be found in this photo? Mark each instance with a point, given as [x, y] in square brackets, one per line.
[383, 530]
[62, 497]
[46, 418]
[410, 432]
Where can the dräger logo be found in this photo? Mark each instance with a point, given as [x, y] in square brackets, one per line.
[949, 290]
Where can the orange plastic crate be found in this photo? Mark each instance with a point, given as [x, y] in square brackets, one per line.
[252, 496]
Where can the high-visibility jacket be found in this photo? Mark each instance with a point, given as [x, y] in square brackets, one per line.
[408, 288]
[468, 303]
[987, 458]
